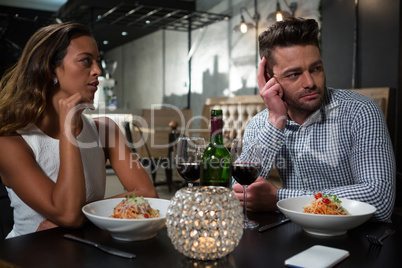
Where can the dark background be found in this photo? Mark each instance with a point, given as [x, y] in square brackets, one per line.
[16, 26]
[378, 55]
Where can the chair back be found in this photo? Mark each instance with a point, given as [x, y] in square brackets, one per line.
[379, 94]
[237, 112]
[153, 128]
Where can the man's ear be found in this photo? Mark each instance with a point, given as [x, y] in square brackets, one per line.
[267, 75]
[268, 72]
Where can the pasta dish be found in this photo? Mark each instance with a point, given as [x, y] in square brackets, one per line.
[326, 205]
[134, 207]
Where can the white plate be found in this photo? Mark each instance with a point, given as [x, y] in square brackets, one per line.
[126, 229]
[326, 225]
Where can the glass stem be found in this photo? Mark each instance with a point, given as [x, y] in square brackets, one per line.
[245, 203]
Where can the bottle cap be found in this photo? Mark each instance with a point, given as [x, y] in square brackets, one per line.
[217, 112]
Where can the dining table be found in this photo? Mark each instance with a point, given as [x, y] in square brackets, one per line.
[270, 248]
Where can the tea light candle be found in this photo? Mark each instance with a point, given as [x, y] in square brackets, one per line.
[205, 223]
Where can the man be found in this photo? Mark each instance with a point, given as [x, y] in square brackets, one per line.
[319, 138]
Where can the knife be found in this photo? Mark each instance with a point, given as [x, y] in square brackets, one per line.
[272, 225]
[107, 249]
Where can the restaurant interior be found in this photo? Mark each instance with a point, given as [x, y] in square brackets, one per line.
[160, 55]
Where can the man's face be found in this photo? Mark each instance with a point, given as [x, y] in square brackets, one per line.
[300, 72]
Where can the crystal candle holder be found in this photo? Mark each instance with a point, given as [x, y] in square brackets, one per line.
[204, 223]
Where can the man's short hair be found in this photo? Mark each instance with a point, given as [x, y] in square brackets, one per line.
[287, 33]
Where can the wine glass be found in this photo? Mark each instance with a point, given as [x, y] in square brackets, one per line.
[246, 158]
[188, 158]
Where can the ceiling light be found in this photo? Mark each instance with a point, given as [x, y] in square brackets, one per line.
[105, 42]
[147, 21]
[124, 33]
[244, 26]
[280, 15]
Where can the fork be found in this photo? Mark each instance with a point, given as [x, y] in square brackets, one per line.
[378, 241]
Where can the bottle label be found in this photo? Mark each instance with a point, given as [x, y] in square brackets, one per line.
[216, 125]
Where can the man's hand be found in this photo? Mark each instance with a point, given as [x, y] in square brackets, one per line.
[261, 195]
[272, 93]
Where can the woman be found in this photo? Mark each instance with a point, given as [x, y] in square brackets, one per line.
[52, 158]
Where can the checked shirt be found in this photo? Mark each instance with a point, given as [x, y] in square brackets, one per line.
[343, 149]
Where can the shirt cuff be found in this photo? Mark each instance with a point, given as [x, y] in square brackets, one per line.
[284, 193]
[275, 138]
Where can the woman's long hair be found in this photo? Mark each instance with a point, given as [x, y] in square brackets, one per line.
[24, 89]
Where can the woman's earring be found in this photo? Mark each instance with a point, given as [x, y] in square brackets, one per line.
[55, 80]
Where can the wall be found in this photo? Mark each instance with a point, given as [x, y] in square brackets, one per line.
[377, 45]
[139, 72]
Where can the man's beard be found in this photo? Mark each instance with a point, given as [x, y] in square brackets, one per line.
[293, 101]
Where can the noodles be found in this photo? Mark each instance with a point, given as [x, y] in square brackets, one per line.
[134, 207]
[326, 205]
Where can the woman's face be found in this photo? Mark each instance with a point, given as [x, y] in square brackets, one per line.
[80, 68]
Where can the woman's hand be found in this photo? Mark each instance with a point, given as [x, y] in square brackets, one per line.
[272, 94]
[261, 195]
[70, 110]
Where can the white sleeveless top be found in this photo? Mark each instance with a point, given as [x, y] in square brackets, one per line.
[46, 151]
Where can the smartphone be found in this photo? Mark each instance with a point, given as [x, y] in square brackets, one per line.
[317, 256]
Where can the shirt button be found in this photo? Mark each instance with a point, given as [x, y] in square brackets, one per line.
[299, 155]
[303, 129]
[278, 142]
[304, 180]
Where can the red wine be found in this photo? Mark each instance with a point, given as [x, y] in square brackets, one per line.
[189, 171]
[246, 173]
